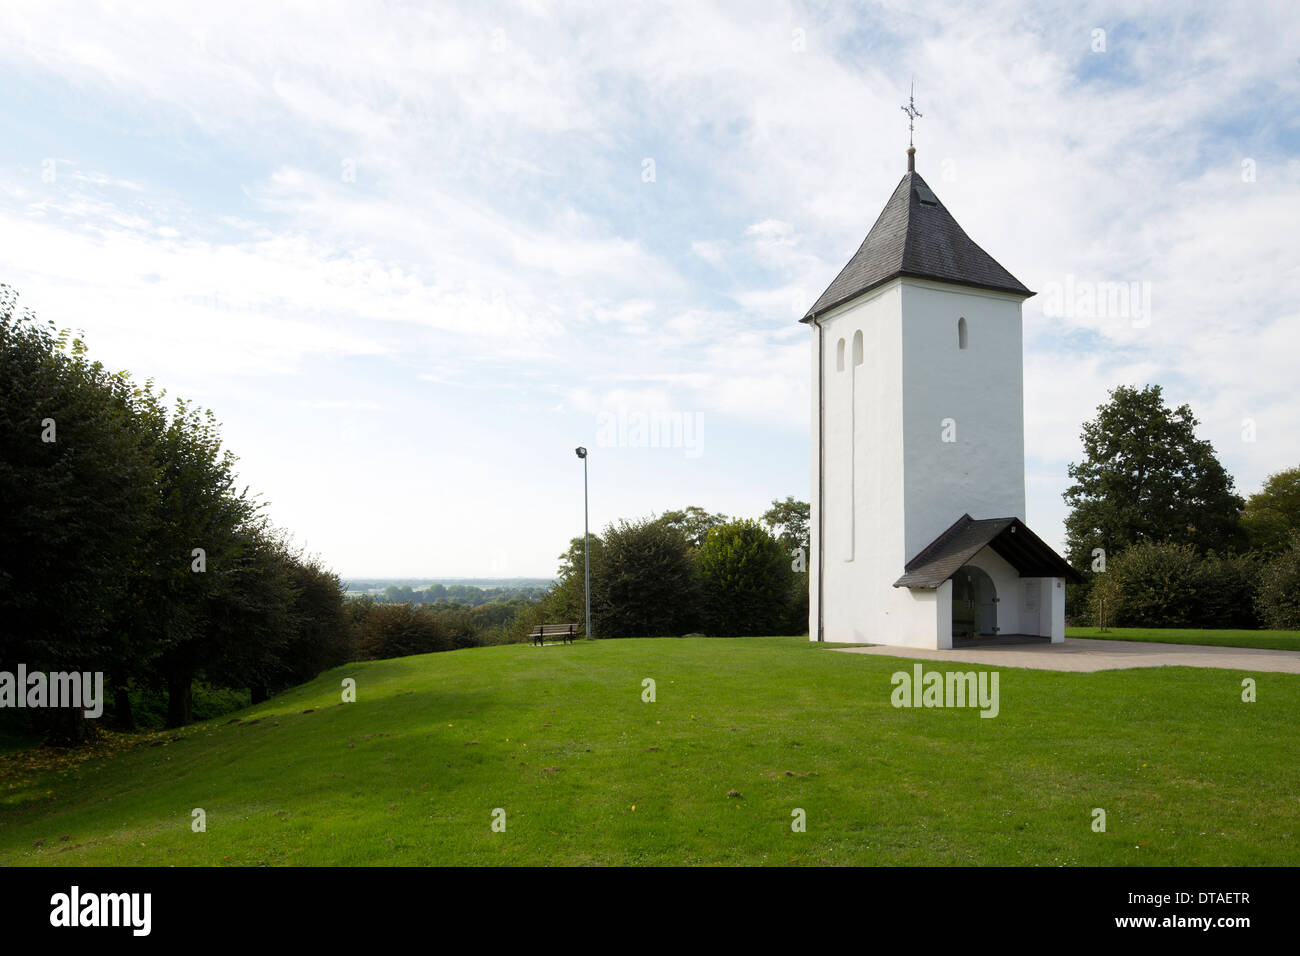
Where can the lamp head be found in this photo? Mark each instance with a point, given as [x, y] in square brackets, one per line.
[581, 452]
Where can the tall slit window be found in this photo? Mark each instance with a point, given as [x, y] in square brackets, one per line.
[961, 332]
[839, 356]
[857, 347]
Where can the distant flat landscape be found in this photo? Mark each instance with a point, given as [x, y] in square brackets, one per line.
[364, 585]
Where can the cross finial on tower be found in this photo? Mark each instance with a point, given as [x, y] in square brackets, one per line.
[912, 113]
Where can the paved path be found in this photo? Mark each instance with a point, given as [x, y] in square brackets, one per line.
[1087, 655]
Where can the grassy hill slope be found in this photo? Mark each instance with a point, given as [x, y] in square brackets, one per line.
[587, 773]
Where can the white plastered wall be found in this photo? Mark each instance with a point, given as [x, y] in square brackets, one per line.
[865, 503]
[1056, 588]
[1033, 606]
[1042, 607]
[890, 484]
[980, 389]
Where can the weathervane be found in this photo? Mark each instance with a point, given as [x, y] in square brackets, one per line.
[912, 113]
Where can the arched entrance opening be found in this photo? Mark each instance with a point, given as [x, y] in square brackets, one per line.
[974, 604]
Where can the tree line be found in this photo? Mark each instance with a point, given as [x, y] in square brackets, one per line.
[382, 629]
[127, 548]
[1161, 535]
[457, 594]
[686, 571]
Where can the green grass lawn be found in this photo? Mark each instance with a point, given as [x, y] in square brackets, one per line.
[1272, 640]
[587, 773]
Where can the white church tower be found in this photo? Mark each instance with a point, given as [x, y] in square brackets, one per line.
[918, 498]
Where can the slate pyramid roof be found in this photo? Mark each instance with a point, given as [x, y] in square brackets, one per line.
[915, 236]
[1021, 548]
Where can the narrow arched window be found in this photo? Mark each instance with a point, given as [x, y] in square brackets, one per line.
[961, 332]
[857, 347]
[839, 356]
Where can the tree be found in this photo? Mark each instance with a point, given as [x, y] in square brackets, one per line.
[207, 529]
[694, 523]
[1272, 514]
[788, 520]
[126, 548]
[744, 580]
[644, 585]
[1147, 477]
[321, 636]
[75, 482]
[565, 602]
[249, 620]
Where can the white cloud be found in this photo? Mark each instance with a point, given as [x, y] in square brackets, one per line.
[497, 243]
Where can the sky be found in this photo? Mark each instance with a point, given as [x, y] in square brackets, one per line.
[412, 255]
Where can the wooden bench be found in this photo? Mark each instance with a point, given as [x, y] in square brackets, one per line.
[543, 631]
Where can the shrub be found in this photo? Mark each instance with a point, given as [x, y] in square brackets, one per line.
[1225, 589]
[745, 580]
[644, 584]
[1171, 585]
[1278, 598]
[1080, 610]
[396, 630]
[1148, 585]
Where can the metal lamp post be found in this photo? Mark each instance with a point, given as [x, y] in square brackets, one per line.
[586, 543]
